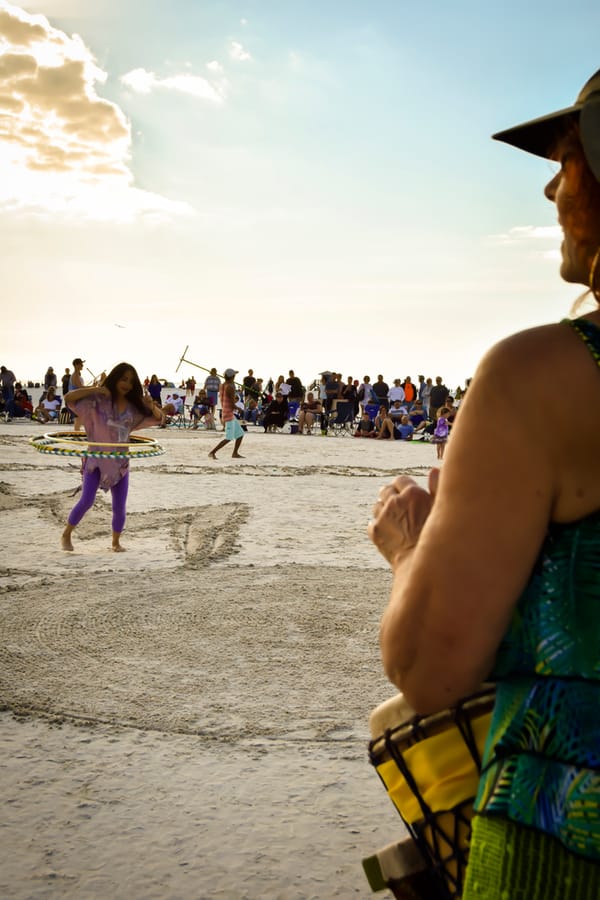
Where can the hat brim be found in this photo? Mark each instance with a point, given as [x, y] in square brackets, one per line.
[539, 136]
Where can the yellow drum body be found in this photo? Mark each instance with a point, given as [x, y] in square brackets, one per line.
[430, 766]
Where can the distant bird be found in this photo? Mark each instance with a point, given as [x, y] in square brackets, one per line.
[120, 326]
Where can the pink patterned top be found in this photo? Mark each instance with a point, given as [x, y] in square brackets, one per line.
[226, 404]
[103, 423]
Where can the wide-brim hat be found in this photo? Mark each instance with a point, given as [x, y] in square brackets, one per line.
[539, 136]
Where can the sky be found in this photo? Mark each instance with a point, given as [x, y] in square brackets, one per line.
[278, 185]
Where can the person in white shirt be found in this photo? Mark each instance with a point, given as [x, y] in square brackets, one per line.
[173, 406]
[396, 392]
[49, 407]
[396, 411]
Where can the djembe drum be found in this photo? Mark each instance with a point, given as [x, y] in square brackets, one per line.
[430, 766]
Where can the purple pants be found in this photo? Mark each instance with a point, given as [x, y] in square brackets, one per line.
[91, 483]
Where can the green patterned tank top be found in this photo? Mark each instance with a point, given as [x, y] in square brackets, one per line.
[542, 757]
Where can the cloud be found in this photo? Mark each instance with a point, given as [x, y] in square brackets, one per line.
[62, 146]
[521, 234]
[143, 82]
[237, 52]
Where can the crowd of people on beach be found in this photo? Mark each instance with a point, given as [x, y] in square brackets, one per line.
[372, 409]
[423, 410]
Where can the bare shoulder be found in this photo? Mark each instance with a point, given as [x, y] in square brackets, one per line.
[531, 354]
[553, 438]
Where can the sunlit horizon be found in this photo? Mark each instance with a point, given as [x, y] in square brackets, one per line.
[276, 187]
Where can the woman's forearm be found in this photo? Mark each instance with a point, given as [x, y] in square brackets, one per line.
[81, 393]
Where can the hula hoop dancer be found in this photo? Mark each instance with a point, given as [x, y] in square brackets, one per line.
[109, 412]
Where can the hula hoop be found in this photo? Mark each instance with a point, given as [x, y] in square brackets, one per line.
[59, 443]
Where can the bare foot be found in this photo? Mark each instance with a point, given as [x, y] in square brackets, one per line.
[65, 542]
[118, 549]
[237, 456]
[212, 454]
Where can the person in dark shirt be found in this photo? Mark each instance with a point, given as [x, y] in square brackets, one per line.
[276, 414]
[381, 389]
[249, 383]
[296, 389]
[439, 393]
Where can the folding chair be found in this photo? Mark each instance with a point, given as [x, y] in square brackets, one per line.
[341, 419]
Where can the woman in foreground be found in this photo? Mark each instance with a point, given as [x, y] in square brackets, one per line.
[515, 518]
[109, 413]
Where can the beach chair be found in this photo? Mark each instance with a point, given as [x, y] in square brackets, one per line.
[341, 419]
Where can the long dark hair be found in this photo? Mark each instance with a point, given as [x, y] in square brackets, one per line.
[135, 395]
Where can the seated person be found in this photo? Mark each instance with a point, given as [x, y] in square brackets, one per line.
[397, 410]
[202, 411]
[451, 411]
[383, 424]
[365, 427]
[417, 416]
[173, 405]
[276, 413]
[20, 406]
[239, 411]
[49, 406]
[309, 409]
[403, 431]
[252, 410]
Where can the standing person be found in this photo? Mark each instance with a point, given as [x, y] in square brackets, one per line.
[296, 393]
[65, 382]
[365, 392]
[7, 382]
[233, 429]
[249, 384]
[190, 390]
[50, 379]
[283, 387]
[154, 389]
[350, 394]
[110, 412]
[410, 392]
[212, 386]
[515, 515]
[441, 431]
[437, 397]
[425, 395]
[396, 392]
[75, 384]
[380, 390]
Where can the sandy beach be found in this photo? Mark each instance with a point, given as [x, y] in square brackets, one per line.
[189, 719]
